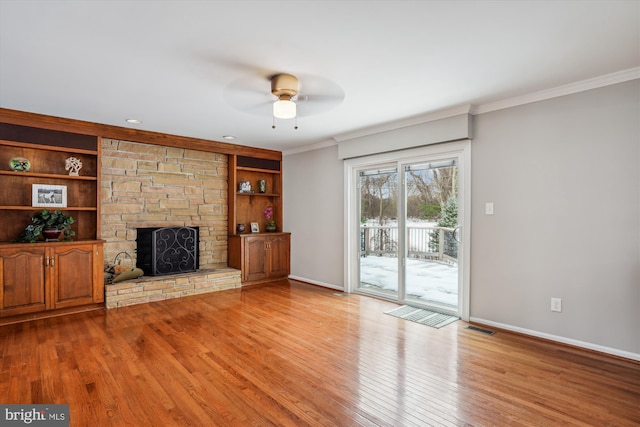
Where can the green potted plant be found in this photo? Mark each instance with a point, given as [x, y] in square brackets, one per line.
[49, 224]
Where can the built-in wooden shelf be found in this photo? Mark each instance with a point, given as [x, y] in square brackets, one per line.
[258, 194]
[47, 151]
[39, 208]
[49, 175]
[260, 256]
[248, 169]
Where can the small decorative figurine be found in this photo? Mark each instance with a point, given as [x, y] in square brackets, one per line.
[262, 185]
[19, 164]
[73, 165]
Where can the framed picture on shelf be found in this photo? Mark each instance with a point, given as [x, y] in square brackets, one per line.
[244, 187]
[255, 228]
[48, 196]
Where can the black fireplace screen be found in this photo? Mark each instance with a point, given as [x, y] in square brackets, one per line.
[167, 250]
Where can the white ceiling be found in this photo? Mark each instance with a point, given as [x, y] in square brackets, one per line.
[201, 68]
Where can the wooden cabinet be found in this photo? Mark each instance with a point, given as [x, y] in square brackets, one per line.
[44, 278]
[261, 257]
[38, 278]
[77, 274]
[247, 207]
[22, 281]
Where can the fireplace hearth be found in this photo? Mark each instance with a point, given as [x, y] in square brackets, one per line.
[167, 250]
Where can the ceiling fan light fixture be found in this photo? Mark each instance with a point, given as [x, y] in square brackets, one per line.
[285, 87]
[284, 108]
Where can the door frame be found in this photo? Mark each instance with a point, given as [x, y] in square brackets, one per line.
[460, 149]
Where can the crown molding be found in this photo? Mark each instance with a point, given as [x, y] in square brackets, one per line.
[568, 89]
[580, 86]
[310, 147]
[415, 120]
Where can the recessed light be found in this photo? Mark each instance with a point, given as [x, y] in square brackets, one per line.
[229, 137]
[134, 121]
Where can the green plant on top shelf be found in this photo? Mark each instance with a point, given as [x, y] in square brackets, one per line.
[46, 219]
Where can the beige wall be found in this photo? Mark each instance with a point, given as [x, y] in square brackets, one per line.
[313, 213]
[145, 185]
[564, 175]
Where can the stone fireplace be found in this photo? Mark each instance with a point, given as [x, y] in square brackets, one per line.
[152, 186]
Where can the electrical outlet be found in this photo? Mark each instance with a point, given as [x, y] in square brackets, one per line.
[556, 304]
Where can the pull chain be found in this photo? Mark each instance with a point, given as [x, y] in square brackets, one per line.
[273, 123]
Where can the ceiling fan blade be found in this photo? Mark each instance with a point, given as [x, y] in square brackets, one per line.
[316, 98]
[318, 95]
[248, 94]
[309, 105]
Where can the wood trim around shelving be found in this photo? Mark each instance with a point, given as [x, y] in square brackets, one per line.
[239, 193]
[39, 208]
[48, 147]
[248, 169]
[134, 135]
[50, 175]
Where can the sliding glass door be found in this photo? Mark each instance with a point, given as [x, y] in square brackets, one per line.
[378, 189]
[407, 229]
[431, 230]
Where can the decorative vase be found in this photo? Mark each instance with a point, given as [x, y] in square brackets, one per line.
[240, 228]
[271, 228]
[262, 186]
[51, 234]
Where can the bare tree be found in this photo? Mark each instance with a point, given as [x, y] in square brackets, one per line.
[433, 187]
[378, 196]
[379, 201]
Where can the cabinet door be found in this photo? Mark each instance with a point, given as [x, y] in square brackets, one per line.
[278, 255]
[22, 281]
[255, 260]
[73, 275]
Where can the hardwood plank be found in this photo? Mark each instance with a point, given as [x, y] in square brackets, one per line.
[291, 354]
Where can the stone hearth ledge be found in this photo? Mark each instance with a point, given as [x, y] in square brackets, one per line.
[156, 288]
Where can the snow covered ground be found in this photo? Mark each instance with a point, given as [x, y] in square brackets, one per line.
[426, 280]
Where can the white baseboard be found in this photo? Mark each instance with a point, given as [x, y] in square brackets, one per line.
[564, 340]
[315, 282]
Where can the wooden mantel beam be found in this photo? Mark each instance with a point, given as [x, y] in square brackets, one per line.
[134, 135]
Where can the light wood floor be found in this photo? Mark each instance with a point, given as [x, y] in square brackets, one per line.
[291, 354]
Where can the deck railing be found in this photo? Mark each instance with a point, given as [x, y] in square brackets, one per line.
[436, 243]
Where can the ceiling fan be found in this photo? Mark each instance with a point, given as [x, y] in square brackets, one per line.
[285, 87]
[290, 97]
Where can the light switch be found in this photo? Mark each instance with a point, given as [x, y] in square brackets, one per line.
[488, 208]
